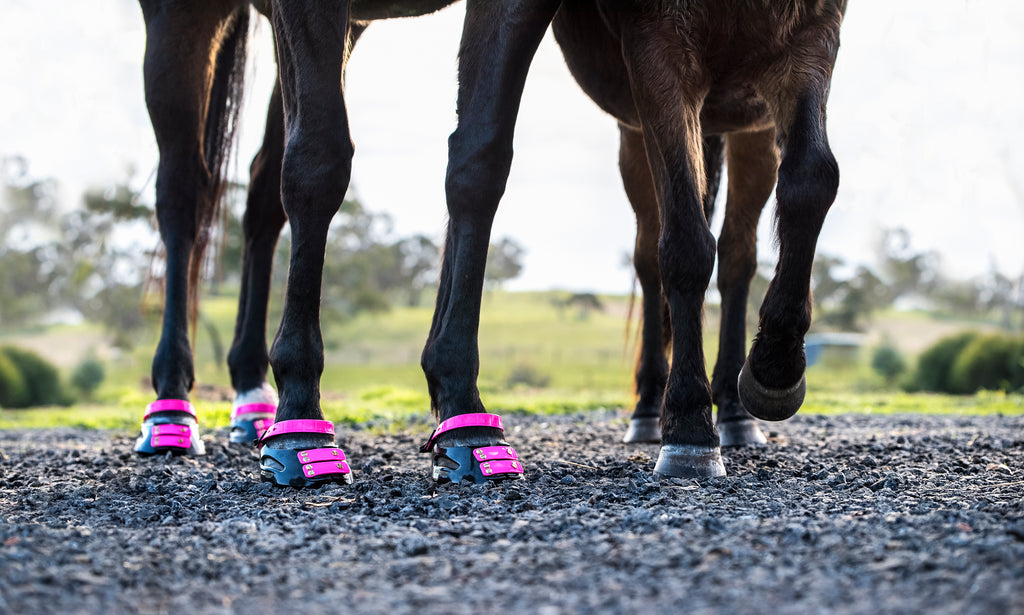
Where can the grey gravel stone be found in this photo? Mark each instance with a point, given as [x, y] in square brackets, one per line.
[838, 514]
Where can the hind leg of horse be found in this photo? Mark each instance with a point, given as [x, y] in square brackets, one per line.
[181, 44]
[315, 174]
[771, 384]
[753, 161]
[652, 367]
[668, 101]
[255, 400]
[499, 40]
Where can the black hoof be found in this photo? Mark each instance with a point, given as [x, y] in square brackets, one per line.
[480, 465]
[743, 432]
[302, 454]
[643, 429]
[689, 461]
[170, 426]
[769, 404]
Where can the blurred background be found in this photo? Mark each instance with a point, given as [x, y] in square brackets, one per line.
[922, 243]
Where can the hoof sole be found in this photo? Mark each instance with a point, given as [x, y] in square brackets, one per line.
[643, 429]
[769, 404]
[689, 461]
[744, 432]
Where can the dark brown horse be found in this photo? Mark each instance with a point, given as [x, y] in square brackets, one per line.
[676, 75]
[705, 88]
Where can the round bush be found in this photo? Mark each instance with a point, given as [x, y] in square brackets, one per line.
[986, 363]
[42, 382]
[887, 362]
[88, 375]
[935, 364]
[13, 393]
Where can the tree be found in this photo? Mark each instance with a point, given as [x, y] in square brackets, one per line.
[504, 262]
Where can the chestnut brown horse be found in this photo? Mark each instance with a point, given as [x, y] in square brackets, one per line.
[676, 75]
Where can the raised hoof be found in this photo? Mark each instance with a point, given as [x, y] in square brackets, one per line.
[643, 429]
[769, 404]
[170, 426]
[743, 432]
[689, 461]
[301, 454]
[485, 464]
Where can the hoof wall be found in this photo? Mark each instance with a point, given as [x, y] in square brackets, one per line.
[304, 469]
[769, 404]
[478, 465]
[744, 432]
[689, 461]
[643, 429]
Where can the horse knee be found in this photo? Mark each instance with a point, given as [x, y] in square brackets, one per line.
[687, 268]
[315, 172]
[478, 168]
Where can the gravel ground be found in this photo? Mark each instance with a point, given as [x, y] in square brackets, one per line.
[848, 514]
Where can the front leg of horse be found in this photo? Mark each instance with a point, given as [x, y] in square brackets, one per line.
[298, 449]
[188, 67]
[498, 44]
[772, 384]
[686, 250]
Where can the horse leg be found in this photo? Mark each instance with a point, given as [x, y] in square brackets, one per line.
[753, 161]
[772, 384]
[315, 172]
[652, 367]
[255, 400]
[187, 69]
[498, 43]
[668, 99]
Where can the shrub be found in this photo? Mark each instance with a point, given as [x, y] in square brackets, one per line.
[42, 382]
[935, 364]
[88, 375]
[13, 393]
[527, 375]
[887, 362]
[988, 362]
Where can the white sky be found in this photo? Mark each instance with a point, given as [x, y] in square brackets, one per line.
[924, 118]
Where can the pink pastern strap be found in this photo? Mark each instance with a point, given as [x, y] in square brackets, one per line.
[169, 405]
[475, 419]
[299, 426]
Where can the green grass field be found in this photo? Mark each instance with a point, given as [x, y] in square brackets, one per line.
[373, 375]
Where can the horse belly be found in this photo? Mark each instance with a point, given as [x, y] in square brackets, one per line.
[369, 10]
[734, 109]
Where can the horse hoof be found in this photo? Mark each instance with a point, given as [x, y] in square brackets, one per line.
[689, 461]
[643, 429]
[477, 464]
[302, 454]
[769, 404]
[455, 464]
[170, 426]
[252, 414]
[743, 432]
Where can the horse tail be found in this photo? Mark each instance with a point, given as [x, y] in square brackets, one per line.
[219, 137]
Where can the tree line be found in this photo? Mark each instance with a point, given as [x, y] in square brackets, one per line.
[103, 259]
